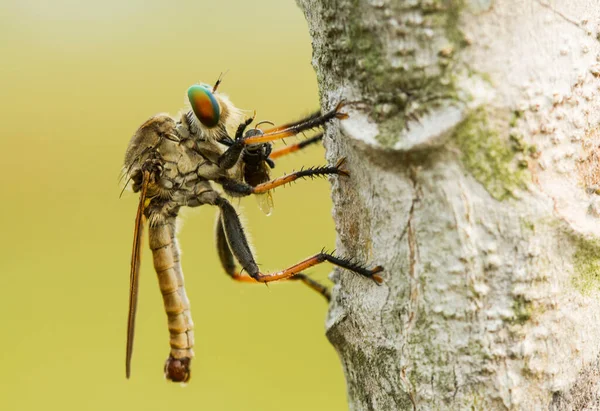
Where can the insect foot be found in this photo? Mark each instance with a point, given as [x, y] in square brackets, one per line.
[338, 166]
[352, 265]
[338, 114]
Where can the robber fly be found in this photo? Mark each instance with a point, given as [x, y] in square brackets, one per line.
[173, 162]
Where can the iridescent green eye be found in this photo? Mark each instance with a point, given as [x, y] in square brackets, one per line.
[204, 104]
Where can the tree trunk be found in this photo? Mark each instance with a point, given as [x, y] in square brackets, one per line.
[473, 146]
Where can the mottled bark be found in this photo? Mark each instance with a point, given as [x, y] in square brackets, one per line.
[473, 143]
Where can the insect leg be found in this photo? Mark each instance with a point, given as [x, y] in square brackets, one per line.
[295, 147]
[235, 239]
[232, 154]
[319, 258]
[238, 244]
[235, 187]
[228, 263]
[292, 129]
[292, 124]
[225, 254]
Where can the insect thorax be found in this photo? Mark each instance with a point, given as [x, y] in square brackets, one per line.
[183, 160]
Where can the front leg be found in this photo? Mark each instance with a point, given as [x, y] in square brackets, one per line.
[232, 154]
[313, 121]
[238, 188]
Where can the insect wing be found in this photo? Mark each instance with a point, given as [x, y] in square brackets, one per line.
[135, 271]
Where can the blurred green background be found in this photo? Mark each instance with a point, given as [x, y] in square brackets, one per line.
[76, 79]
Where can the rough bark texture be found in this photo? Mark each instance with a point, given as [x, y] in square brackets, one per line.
[473, 145]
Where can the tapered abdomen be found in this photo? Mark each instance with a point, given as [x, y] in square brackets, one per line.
[165, 252]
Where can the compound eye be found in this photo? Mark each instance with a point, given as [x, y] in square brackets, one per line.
[204, 104]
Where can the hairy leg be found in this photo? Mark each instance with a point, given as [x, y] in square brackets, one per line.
[238, 245]
[228, 263]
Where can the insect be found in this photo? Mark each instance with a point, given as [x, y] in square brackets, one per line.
[173, 162]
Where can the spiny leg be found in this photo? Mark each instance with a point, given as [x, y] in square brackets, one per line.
[295, 147]
[318, 259]
[292, 124]
[314, 120]
[238, 245]
[228, 141]
[228, 263]
[243, 189]
[292, 129]
[229, 158]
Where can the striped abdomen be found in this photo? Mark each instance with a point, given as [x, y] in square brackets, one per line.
[177, 306]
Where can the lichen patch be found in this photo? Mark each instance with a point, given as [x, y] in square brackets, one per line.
[495, 160]
[586, 263]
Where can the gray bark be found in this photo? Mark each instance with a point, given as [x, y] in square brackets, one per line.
[473, 146]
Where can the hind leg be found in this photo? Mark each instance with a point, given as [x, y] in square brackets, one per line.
[228, 263]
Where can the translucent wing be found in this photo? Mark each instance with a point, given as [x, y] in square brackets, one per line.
[135, 271]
